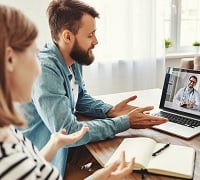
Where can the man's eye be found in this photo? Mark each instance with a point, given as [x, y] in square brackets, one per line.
[91, 35]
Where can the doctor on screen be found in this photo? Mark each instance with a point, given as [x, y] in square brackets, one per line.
[188, 97]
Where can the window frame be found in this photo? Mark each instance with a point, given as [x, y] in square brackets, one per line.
[175, 30]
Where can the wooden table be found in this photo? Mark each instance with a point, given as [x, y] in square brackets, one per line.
[104, 149]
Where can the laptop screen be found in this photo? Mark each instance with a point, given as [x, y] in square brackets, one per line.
[181, 92]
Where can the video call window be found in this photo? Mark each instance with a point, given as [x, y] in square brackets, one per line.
[178, 91]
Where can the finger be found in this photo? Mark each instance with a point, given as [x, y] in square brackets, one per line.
[112, 167]
[126, 101]
[63, 131]
[148, 122]
[130, 167]
[121, 174]
[131, 164]
[144, 120]
[106, 172]
[82, 131]
[144, 109]
[84, 127]
[157, 120]
[122, 160]
[78, 135]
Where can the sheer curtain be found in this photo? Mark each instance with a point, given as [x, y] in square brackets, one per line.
[130, 53]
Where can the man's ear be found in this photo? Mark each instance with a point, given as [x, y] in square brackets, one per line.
[67, 36]
[10, 61]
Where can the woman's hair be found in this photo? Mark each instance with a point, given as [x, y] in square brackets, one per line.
[67, 14]
[17, 32]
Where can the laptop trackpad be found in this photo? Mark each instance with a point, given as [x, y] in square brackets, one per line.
[176, 129]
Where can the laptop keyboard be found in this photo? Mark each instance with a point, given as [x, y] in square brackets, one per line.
[179, 119]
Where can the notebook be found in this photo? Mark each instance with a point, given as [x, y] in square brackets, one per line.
[180, 104]
[158, 158]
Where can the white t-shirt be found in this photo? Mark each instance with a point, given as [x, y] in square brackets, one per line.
[74, 87]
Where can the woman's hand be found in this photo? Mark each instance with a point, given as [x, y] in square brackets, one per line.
[60, 139]
[116, 171]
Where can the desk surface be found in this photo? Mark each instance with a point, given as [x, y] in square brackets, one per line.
[104, 149]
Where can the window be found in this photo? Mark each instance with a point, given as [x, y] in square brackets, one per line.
[182, 24]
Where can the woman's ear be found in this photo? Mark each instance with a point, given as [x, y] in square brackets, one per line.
[10, 62]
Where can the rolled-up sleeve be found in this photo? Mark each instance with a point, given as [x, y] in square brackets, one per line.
[52, 98]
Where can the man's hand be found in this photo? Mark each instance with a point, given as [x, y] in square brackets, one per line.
[140, 118]
[122, 108]
[183, 104]
[190, 105]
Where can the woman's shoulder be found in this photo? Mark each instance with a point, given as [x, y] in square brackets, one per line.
[21, 160]
[14, 161]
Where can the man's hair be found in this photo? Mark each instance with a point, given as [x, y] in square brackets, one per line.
[67, 14]
[193, 77]
[17, 32]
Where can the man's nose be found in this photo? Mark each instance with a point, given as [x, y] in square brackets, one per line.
[95, 41]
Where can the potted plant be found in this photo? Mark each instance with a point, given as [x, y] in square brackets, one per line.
[168, 43]
[196, 44]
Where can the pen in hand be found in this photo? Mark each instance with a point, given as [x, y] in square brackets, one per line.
[160, 150]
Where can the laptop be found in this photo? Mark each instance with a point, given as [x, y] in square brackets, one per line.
[184, 120]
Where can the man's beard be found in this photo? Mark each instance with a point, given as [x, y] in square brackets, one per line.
[81, 56]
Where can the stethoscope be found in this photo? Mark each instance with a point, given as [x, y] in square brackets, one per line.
[191, 93]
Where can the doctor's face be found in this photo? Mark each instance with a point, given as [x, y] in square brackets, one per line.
[192, 82]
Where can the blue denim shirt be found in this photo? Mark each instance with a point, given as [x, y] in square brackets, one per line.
[52, 107]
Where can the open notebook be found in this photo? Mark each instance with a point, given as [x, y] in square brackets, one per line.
[184, 120]
[158, 158]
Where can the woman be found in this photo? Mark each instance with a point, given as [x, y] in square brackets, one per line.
[19, 159]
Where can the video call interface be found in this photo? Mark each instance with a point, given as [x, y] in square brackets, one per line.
[179, 96]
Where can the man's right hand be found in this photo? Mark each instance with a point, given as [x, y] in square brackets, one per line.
[140, 118]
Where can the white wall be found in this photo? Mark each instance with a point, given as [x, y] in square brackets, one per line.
[175, 62]
[36, 11]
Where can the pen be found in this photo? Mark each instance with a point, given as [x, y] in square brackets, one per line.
[160, 150]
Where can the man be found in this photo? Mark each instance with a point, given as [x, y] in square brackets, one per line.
[188, 97]
[59, 92]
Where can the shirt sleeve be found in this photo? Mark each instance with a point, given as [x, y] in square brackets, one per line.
[86, 104]
[52, 99]
[90, 106]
